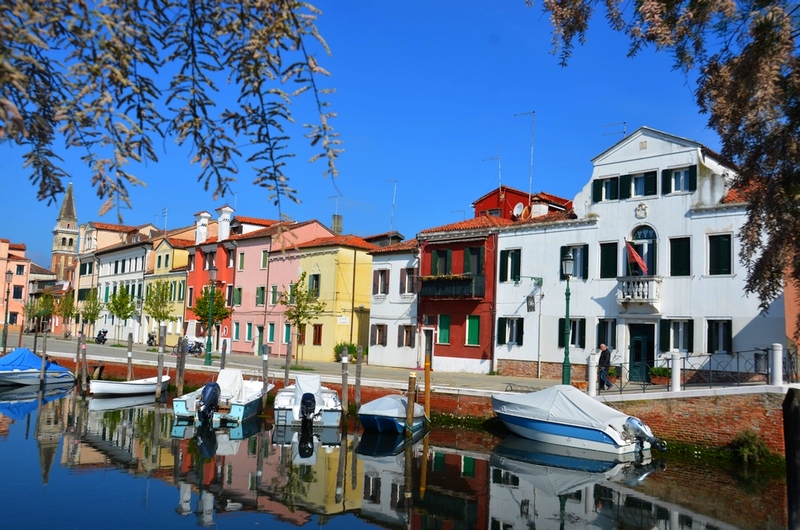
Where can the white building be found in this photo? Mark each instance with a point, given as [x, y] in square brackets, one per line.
[670, 200]
[393, 337]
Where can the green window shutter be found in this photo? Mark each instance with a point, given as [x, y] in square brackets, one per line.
[520, 330]
[608, 260]
[693, 178]
[727, 336]
[473, 334]
[274, 295]
[503, 265]
[444, 329]
[582, 333]
[516, 265]
[400, 336]
[480, 260]
[271, 332]
[264, 258]
[259, 295]
[585, 262]
[613, 342]
[719, 254]
[434, 263]
[666, 181]
[601, 332]
[711, 341]
[241, 261]
[665, 330]
[501, 330]
[237, 296]
[690, 333]
[560, 332]
[679, 260]
[625, 187]
[650, 183]
[564, 251]
[467, 260]
[597, 190]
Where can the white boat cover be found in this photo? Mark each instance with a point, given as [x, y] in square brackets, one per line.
[561, 404]
[391, 406]
[554, 481]
[307, 384]
[231, 384]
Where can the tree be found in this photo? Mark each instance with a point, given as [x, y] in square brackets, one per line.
[749, 85]
[302, 307]
[113, 79]
[45, 308]
[158, 302]
[66, 309]
[201, 306]
[92, 307]
[122, 305]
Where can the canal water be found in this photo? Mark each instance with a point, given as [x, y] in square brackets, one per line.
[75, 463]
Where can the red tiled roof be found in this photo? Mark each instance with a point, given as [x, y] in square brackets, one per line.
[403, 246]
[550, 217]
[37, 269]
[113, 228]
[180, 243]
[338, 241]
[268, 231]
[483, 221]
[554, 199]
[16, 246]
[255, 220]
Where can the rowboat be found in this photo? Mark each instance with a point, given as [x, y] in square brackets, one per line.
[22, 367]
[563, 415]
[389, 414]
[120, 402]
[308, 400]
[148, 385]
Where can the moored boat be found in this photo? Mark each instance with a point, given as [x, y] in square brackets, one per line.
[22, 367]
[389, 414]
[148, 385]
[308, 400]
[563, 415]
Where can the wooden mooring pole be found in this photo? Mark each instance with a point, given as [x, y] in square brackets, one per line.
[344, 383]
[411, 400]
[265, 351]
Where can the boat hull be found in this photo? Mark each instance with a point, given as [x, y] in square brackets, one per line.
[388, 424]
[328, 409]
[100, 387]
[32, 377]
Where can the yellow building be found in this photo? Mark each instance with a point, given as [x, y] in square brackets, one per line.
[339, 273]
[171, 264]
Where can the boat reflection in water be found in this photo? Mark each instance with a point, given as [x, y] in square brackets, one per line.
[534, 483]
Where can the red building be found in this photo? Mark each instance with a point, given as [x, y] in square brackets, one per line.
[513, 204]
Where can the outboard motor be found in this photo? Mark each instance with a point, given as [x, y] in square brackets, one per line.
[305, 447]
[210, 399]
[636, 428]
[206, 441]
[308, 406]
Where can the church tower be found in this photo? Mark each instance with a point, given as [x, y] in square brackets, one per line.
[65, 239]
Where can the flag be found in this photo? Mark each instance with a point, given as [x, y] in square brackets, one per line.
[634, 257]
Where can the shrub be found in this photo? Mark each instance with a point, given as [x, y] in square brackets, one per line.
[749, 447]
[661, 371]
[340, 347]
[612, 371]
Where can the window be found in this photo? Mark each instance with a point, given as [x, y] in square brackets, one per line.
[229, 295]
[248, 332]
[720, 337]
[21, 270]
[122, 266]
[509, 330]
[580, 253]
[235, 331]
[287, 333]
[440, 262]
[229, 257]
[577, 332]
[606, 332]
[510, 265]
[116, 267]
[166, 261]
[313, 285]
[106, 293]
[190, 297]
[645, 244]
[274, 296]
[158, 262]
[467, 466]
[473, 260]
[473, 330]
[17, 292]
[408, 280]
[719, 254]
[679, 180]
[405, 336]
[317, 331]
[181, 290]
[679, 259]
[608, 260]
[264, 258]
[637, 185]
[444, 329]
[377, 335]
[271, 332]
[12, 318]
[209, 260]
[676, 335]
[260, 294]
[380, 281]
[291, 293]
[173, 290]
[605, 189]
[241, 261]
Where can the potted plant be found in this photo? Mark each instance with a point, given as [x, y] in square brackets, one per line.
[660, 375]
[612, 374]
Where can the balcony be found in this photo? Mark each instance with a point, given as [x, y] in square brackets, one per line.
[639, 291]
[453, 286]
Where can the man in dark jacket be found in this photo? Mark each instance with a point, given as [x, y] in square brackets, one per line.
[604, 363]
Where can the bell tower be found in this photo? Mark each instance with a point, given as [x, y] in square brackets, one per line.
[65, 239]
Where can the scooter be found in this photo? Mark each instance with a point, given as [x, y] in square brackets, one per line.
[101, 336]
[151, 339]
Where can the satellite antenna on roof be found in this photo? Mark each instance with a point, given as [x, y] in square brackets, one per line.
[518, 209]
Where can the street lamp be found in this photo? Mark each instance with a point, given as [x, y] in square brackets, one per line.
[212, 277]
[9, 277]
[567, 268]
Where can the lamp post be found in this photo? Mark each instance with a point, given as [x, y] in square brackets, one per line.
[212, 277]
[9, 277]
[567, 264]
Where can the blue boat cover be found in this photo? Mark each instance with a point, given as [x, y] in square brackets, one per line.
[16, 405]
[24, 359]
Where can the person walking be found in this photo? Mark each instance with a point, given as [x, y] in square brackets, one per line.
[603, 364]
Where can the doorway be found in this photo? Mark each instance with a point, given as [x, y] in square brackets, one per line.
[642, 351]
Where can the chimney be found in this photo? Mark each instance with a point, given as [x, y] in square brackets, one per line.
[224, 214]
[336, 226]
[201, 227]
[539, 209]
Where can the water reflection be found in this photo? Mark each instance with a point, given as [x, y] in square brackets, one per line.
[445, 478]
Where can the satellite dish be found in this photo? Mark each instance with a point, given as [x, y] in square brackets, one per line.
[518, 209]
[526, 213]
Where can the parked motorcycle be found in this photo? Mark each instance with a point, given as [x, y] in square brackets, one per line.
[151, 339]
[101, 336]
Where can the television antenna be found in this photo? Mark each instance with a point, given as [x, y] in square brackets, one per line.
[336, 209]
[624, 128]
[463, 214]
[533, 129]
[499, 172]
[394, 194]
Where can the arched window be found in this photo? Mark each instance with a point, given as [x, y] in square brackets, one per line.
[63, 241]
[645, 243]
[70, 242]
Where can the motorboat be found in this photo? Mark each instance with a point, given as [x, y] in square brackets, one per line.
[226, 402]
[308, 400]
[16, 402]
[564, 415]
[389, 414]
[148, 385]
[22, 367]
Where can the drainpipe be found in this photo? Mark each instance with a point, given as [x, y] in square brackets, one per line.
[539, 342]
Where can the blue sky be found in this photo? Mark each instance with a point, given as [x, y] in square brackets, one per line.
[426, 92]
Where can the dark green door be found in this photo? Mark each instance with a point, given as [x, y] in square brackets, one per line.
[642, 351]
